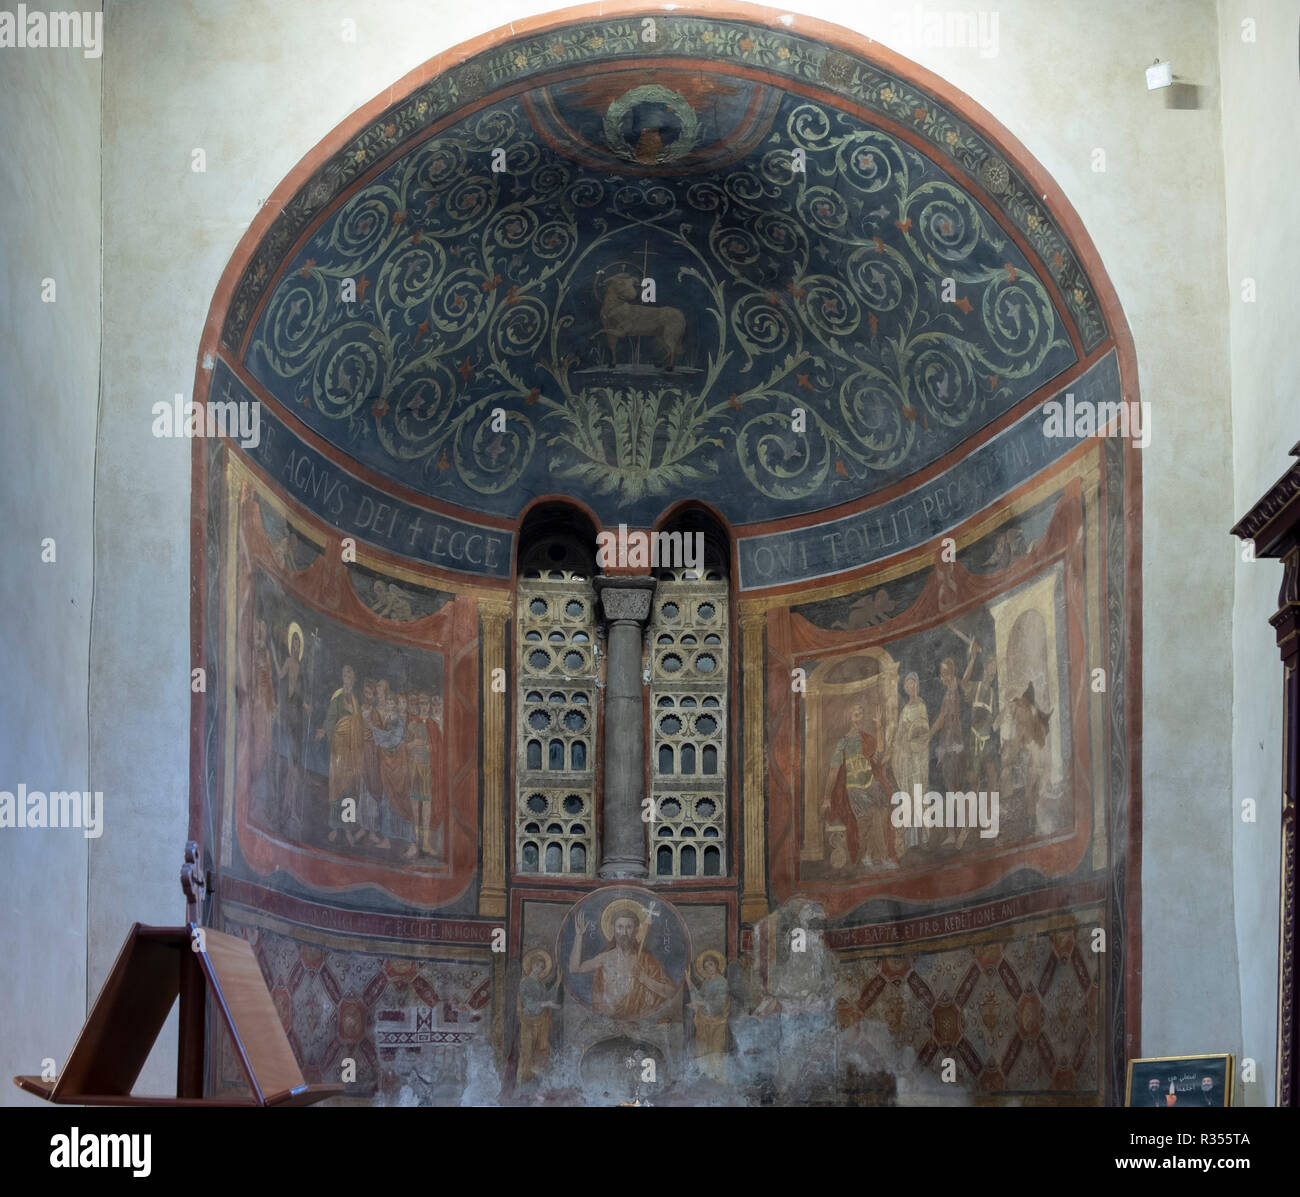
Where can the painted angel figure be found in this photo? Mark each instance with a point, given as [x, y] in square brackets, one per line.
[534, 1007]
[711, 1003]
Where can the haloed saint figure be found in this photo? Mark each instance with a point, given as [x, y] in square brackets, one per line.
[633, 962]
[627, 980]
[535, 1003]
[294, 712]
[858, 788]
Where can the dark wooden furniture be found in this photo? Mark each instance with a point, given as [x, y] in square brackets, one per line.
[156, 966]
[1274, 526]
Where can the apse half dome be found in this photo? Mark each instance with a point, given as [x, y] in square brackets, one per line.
[732, 262]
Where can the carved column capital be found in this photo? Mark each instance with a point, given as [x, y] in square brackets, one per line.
[625, 599]
[495, 610]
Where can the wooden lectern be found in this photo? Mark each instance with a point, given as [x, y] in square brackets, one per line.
[156, 966]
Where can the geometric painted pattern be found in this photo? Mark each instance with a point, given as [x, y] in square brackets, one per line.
[338, 1005]
[1018, 1016]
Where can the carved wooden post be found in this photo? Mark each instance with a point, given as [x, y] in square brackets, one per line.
[1287, 624]
[193, 995]
[626, 602]
[1274, 526]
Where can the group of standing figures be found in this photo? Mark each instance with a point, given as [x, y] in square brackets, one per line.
[972, 743]
[385, 781]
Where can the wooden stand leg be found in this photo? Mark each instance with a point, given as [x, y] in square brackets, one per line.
[193, 1006]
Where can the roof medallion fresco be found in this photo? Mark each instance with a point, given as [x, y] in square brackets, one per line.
[502, 343]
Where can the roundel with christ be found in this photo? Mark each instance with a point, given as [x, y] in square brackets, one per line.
[623, 952]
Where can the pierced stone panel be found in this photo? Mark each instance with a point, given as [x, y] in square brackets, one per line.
[554, 831]
[689, 651]
[558, 662]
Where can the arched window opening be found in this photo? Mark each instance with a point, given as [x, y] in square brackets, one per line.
[689, 662]
[558, 662]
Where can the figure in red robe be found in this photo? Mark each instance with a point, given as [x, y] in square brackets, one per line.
[859, 786]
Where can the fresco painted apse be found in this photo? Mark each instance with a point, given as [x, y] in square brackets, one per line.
[761, 279]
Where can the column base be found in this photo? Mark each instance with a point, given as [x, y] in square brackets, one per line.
[623, 869]
[492, 902]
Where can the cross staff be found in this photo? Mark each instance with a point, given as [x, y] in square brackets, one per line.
[646, 255]
[652, 913]
[306, 685]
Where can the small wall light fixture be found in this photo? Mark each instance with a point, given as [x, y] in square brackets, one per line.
[1159, 74]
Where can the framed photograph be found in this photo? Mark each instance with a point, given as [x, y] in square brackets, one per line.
[1174, 1082]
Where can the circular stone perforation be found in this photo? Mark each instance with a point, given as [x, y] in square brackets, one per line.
[555, 729]
[688, 639]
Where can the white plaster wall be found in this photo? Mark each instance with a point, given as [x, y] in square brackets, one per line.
[256, 85]
[1261, 121]
[49, 391]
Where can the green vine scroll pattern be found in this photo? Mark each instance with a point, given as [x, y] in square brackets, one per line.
[594, 45]
[397, 364]
[847, 322]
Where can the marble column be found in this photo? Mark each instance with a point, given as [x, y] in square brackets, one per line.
[626, 602]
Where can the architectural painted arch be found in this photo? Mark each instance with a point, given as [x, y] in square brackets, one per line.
[864, 293]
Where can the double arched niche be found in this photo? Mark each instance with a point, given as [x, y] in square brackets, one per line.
[668, 589]
[334, 314]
